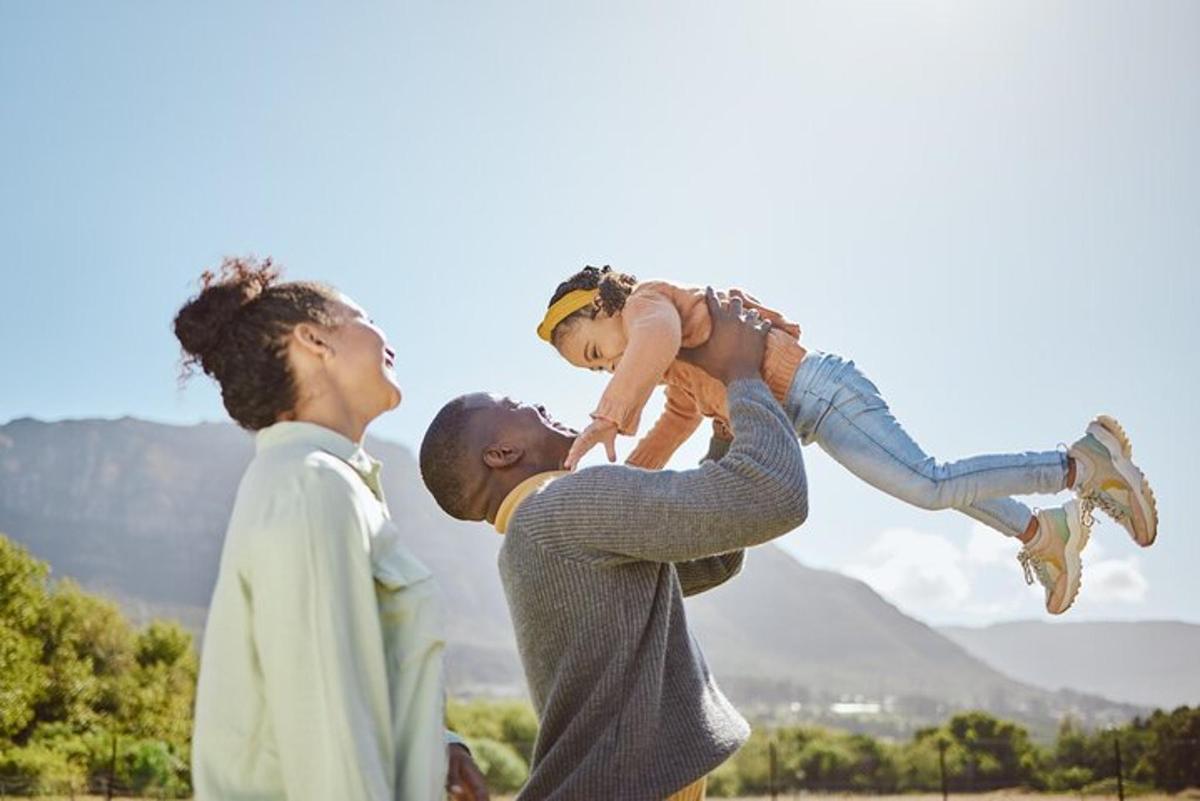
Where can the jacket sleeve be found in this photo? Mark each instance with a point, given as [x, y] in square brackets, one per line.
[701, 575]
[680, 419]
[654, 331]
[756, 492]
[317, 636]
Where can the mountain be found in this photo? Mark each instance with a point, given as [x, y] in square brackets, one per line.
[1151, 663]
[138, 510]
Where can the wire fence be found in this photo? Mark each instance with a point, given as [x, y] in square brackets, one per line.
[783, 782]
[1113, 777]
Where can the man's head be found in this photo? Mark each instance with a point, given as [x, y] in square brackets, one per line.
[480, 446]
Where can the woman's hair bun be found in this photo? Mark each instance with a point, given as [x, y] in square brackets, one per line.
[207, 318]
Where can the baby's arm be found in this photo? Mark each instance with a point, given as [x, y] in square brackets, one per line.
[679, 421]
[654, 331]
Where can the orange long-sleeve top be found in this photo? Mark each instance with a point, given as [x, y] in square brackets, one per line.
[660, 318]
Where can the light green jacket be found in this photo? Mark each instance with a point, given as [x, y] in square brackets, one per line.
[321, 673]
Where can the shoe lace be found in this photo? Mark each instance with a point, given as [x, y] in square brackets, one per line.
[1028, 563]
[1089, 503]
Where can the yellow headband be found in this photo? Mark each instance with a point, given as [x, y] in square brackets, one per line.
[563, 308]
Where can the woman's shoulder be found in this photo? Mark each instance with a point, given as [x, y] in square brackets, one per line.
[300, 470]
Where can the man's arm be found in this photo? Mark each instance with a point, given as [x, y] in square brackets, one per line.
[701, 575]
[757, 492]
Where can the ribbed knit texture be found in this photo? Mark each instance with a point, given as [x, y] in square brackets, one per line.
[595, 568]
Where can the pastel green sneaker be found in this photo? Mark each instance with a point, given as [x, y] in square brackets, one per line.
[1106, 477]
[1053, 555]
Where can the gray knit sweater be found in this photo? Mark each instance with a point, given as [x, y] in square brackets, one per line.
[595, 568]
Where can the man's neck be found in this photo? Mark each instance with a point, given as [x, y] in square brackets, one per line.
[503, 483]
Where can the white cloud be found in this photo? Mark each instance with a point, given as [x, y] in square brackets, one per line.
[914, 570]
[1115, 580]
[987, 546]
[941, 580]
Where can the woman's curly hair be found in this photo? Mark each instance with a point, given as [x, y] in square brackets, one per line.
[236, 331]
[614, 287]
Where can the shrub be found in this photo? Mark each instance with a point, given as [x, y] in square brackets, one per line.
[37, 769]
[502, 766]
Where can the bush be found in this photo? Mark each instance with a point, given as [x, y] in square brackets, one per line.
[502, 766]
[37, 769]
[1109, 787]
[724, 782]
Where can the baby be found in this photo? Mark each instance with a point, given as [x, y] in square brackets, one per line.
[600, 319]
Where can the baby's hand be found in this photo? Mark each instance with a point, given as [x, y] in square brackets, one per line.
[600, 430]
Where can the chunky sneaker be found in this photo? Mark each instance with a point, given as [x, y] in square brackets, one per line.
[1105, 476]
[1052, 556]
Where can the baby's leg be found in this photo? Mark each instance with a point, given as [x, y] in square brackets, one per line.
[856, 427]
[1008, 516]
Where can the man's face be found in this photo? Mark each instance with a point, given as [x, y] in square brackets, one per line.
[514, 440]
[502, 418]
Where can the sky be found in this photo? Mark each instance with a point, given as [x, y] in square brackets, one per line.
[993, 208]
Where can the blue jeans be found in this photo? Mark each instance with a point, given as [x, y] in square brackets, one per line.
[834, 405]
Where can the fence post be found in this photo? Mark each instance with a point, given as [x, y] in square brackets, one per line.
[773, 784]
[1120, 772]
[942, 768]
[112, 770]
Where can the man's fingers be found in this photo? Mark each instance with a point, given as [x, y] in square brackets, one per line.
[612, 450]
[735, 307]
[714, 305]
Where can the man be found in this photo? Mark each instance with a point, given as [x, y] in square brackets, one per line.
[595, 565]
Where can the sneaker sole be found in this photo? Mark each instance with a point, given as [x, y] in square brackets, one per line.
[1145, 518]
[1080, 534]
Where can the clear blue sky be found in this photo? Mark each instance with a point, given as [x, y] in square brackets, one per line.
[994, 208]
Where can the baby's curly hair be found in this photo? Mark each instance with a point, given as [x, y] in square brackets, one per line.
[236, 331]
[614, 287]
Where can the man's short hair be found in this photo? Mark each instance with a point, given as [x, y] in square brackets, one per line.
[443, 456]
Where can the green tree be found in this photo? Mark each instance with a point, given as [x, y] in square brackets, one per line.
[1173, 755]
[78, 678]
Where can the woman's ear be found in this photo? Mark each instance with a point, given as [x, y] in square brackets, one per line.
[312, 339]
[502, 455]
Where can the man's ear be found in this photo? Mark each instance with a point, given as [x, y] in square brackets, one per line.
[312, 338]
[502, 455]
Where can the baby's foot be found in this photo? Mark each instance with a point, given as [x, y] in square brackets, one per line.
[1105, 476]
[1052, 556]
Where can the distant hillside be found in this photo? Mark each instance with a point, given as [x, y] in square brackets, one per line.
[139, 510]
[1149, 663]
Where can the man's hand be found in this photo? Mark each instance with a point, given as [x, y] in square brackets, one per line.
[600, 431]
[736, 346]
[463, 779]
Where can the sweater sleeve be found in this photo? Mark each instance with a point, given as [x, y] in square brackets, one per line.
[316, 634]
[613, 514]
[702, 575]
[654, 331]
[680, 419]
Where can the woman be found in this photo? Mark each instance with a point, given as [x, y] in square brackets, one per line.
[321, 676]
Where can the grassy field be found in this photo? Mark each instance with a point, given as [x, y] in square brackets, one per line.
[1187, 795]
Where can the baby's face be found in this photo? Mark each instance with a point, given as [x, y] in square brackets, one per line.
[593, 344]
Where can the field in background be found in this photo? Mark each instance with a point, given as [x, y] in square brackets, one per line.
[1016, 795]
[1186, 795]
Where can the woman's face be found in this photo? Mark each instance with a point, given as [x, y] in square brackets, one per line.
[363, 364]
